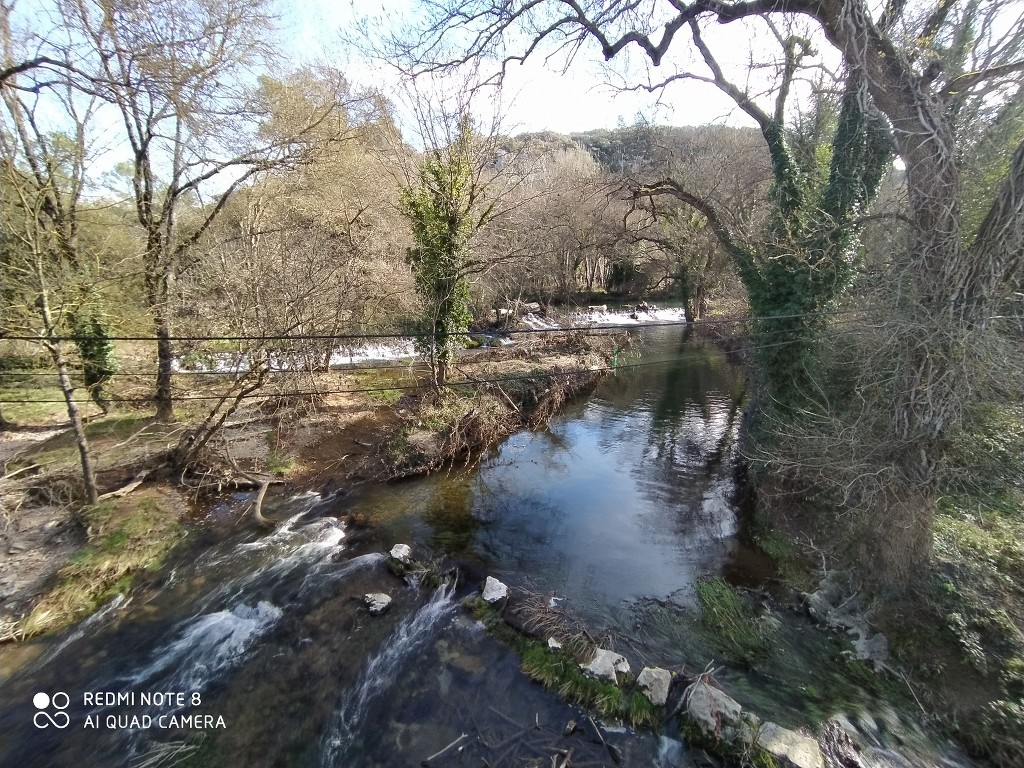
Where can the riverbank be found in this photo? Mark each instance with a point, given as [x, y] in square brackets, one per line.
[956, 635]
[60, 561]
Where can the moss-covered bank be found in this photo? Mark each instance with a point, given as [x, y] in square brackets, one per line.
[124, 537]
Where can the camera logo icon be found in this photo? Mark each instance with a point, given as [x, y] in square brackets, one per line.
[59, 702]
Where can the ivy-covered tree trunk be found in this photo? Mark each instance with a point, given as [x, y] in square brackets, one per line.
[441, 211]
[951, 286]
[807, 258]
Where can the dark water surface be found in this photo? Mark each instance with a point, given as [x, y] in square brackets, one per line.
[614, 511]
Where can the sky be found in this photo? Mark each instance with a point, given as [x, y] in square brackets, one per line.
[540, 96]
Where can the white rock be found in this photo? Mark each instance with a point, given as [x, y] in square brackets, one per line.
[711, 708]
[605, 665]
[655, 682]
[402, 553]
[494, 590]
[621, 665]
[554, 645]
[789, 748]
[377, 602]
[874, 648]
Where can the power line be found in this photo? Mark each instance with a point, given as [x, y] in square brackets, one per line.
[423, 334]
[341, 368]
[336, 368]
[463, 382]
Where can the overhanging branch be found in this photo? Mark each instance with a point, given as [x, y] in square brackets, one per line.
[704, 207]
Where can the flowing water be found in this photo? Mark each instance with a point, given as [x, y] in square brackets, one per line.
[613, 512]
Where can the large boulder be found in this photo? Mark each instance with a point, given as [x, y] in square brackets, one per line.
[711, 708]
[789, 748]
[655, 682]
[606, 665]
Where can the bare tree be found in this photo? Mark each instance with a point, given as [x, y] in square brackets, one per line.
[309, 252]
[40, 195]
[175, 73]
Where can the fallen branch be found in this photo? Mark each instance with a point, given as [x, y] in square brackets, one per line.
[615, 752]
[125, 490]
[257, 510]
[426, 762]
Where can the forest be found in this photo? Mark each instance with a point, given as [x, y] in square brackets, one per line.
[192, 229]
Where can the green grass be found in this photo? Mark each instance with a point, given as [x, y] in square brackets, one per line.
[388, 385]
[27, 401]
[125, 536]
[790, 564]
[560, 671]
[998, 733]
[733, 626]
[278, 464]
[118, 425]
[731, 753]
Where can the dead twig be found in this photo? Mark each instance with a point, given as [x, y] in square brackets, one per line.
[436, 755]
[125, 490]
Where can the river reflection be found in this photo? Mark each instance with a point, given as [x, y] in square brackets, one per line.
[625, 495]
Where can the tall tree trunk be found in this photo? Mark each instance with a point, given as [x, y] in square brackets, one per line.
[165, 360]
[64, 381]
[951, 287]
[157, 289]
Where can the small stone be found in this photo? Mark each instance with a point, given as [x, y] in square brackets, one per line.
[655, 682]
[789, 748]
[402, 553]
[377, 602]
[554, 645]
[605, 665]
[711, 708]
[494, 590]
[621, 665]
[51, 525]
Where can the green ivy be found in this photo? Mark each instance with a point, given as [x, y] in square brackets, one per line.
[97, 353]
[441, 209]
[809, 254]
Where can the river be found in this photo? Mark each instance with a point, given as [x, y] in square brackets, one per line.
[613, 512]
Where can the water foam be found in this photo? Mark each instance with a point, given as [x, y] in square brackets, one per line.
[381, 673]
[208, 646]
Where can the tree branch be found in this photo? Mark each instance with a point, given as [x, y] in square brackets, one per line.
[673, 188]
[968, 80]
